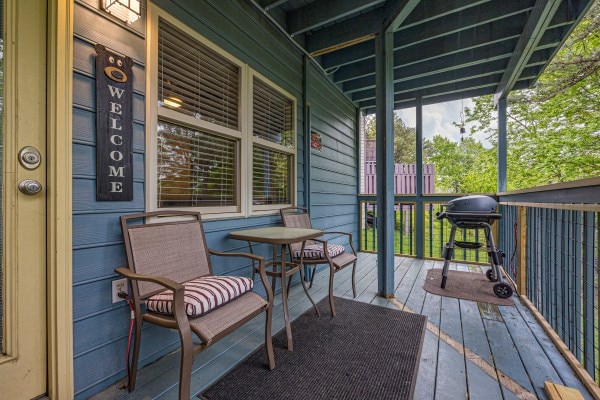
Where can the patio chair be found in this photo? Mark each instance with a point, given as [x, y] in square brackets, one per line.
[319, 251]
[170, 270]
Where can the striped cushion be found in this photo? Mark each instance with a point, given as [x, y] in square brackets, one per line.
[316, 251]
[202, 295]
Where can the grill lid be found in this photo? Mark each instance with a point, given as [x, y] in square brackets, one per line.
[477, 204]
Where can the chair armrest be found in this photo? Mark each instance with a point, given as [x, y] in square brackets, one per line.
[345, 234]
[261, 268]
[246, 255]
[178, 289]
[166, 282]
[337, 233]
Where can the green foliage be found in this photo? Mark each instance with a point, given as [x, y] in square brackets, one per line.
[405, 139]
[463, 167]
[553, 130]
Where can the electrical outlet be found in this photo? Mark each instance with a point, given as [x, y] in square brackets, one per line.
[119, 285]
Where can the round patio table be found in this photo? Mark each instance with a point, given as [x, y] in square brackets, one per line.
[279, 267]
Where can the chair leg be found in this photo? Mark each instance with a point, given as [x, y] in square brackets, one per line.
[312, 276]
[136, 355]
[269, 338]
[331, 304]
[354, 279]
[187, 359]
[289, 284]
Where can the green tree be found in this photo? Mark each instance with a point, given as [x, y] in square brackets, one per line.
[405, 139]
[461, 167]
[553, 130]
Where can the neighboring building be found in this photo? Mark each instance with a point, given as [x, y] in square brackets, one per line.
[404, 174]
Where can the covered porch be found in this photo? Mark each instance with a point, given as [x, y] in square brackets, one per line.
[471, 350]
[332, 62]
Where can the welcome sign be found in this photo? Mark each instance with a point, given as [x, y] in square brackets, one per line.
[114, 129]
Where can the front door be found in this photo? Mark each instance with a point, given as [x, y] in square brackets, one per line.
[23, 188]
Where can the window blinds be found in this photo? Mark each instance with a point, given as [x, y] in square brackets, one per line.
[195, 169]
[271, 173]
[195, 80]
[273, 115]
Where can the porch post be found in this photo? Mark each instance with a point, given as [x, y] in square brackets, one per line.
[385, 162]
[307, 129]
[419, 218]
[502, 168]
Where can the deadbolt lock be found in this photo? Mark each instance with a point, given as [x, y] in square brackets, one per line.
[30, 187]
[30, 157]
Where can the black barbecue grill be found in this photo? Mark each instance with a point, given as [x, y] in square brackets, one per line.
[475, 212]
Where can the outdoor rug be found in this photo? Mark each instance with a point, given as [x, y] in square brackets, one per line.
[364, 352]
[464, 285]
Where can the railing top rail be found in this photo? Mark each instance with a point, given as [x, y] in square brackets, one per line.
[581, 183]
[556, 206]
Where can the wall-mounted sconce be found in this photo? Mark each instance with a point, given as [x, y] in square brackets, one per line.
[126, 10]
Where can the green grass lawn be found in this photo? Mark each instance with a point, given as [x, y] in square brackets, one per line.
[436, 235]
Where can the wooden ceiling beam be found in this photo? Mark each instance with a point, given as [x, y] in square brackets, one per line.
[347, 31]
[456, 75]
[270, 4]
[457, 39]
[319, 13]
[369, 105]
[400, 94]
[395, 13]
[539, 19]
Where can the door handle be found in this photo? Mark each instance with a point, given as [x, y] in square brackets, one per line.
[30, 187]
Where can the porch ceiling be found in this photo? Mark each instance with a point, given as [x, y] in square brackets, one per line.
[443, 50]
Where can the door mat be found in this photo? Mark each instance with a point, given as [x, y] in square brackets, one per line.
[364, 352]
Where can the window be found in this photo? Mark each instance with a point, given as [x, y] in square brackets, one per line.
[224, 141]
[195, 169]
[273, 145]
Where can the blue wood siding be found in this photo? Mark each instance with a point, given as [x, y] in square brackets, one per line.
[100, 327]
[334, 172]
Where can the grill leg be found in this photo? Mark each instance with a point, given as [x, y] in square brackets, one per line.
[495, 255]
[448, 252]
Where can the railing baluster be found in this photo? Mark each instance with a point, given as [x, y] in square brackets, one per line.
[577, 293]
[557, 267]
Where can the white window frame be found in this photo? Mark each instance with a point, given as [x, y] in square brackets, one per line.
[243, 136]
[268, 208]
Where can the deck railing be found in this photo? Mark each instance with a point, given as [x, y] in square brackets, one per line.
[435, 232]
[556, 259]
[550, 238]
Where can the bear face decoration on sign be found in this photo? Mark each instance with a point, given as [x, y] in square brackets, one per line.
[114, 158]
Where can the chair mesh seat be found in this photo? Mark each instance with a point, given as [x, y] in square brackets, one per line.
[212, 324]
[316, 251]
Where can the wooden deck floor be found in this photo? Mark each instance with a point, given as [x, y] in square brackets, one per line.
[471, 350]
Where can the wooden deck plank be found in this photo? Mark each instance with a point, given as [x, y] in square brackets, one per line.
[474, 336]
[481, 385]
[538, 366]
[405, 286]
[416, 296]
[425, 384]
[451, 382]
[443, 372]
[505, 354]
[451, 318]
[561, 366]
[489, 311]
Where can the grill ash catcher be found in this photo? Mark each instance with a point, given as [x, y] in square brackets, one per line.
[475, 212]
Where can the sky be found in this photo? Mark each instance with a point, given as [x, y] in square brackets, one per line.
[439, 118]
